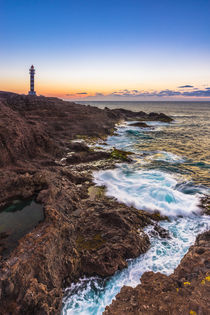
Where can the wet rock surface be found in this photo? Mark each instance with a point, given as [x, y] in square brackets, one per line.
[186, 291]
[139, 124]
[109, 233]
[205, 205]
[141, 116]
[80, 234]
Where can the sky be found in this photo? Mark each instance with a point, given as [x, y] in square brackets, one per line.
[107, 49]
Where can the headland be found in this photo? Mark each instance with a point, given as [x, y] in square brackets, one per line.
[42, 158]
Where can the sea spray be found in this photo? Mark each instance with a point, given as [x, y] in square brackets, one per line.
[90, 296]
[148, 190]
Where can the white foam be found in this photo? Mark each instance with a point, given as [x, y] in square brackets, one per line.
[157, 123]
[147, 189]
[90, 296]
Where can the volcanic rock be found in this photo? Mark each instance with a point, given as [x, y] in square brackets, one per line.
[142, 116]
[79, 235]
[186, 291]
[139, 124]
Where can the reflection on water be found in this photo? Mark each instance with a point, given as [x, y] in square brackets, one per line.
[187, 141]
[17, 220]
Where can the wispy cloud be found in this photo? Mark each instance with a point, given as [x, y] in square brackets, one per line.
[99, 94]
[186, 86]
[163, 93]
[136, 94]
[198, 93]
[75, 94]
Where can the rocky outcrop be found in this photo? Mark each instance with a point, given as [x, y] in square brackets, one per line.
[81, 234]
[141, 116]
[39, 127]
[108, 233]
[22, 140]
[139, 124]
[186, 291]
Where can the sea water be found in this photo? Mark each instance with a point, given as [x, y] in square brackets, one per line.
[169, 173]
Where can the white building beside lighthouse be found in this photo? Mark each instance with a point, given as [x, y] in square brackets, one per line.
[32, 74]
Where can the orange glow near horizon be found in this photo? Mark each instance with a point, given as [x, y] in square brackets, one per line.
[79, 94]
[82, 89]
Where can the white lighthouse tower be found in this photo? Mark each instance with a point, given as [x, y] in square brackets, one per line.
[32, 73]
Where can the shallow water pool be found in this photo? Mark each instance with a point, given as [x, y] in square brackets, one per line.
[17, 220]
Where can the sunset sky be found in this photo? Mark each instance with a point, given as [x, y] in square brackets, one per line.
[107, 50]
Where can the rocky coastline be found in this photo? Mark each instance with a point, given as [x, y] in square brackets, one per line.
[186, 291]
[83, 231]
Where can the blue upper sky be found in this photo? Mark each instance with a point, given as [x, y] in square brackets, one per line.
[106, 49]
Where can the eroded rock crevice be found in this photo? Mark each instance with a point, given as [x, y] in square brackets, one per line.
[186, 291]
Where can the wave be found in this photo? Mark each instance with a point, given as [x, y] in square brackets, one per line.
[148, 190]
[90, 296]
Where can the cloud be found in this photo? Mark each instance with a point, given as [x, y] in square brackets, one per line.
[74, 94]
[185, 86]
[163, 93]
[198, 93]
[125, 93]
[99, 94]
[135, 93]
[142, 94]
[168, 93]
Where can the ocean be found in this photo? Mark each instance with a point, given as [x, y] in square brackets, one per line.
[169, 173]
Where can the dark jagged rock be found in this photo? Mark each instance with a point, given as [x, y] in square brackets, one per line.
[20, 140]
[139, 124]
[159, 117]
[83, 157]
[78, 147]
[186, 291]
[205, 204]
[121, 155]
[108, 236]
[161, 232]
[127, 114]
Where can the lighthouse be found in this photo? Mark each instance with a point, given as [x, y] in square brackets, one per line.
[32, 73]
